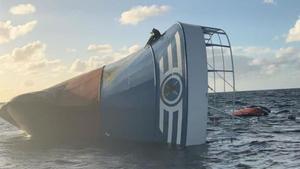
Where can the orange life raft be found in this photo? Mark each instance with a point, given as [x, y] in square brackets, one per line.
[252, 111]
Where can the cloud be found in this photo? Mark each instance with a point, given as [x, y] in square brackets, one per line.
[28, 68]
[270, 69]
[294, 33]
[140, 13]
[269, 2]
[103, 48]
[267, 61]
[45, 63]
[256, 61]
[286, 52]
[266, 68]
[78, 66]
[22, 9]
[134, 48]
[31, 52]
[9, 32]
[279, 37]
[93, 62]
[253, 51]
[30, 58]
[71, 50]
[28, 83]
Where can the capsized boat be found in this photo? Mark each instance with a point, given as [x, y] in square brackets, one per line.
[158, 94]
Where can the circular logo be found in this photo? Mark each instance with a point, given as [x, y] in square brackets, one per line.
[171, 89]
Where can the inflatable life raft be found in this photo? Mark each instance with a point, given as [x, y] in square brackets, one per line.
[252, 111]
[158, 94]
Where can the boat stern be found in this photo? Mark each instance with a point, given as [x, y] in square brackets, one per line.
[181, 75]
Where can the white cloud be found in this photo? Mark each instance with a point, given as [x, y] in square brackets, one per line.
[9, 32]
[22, 9]
[28, 83]
[279, 37]
[30, 58]
[286, 52]
[78, 66]
[270, 69]
[269, 1]
[45, 63]
[93, 62]
[267, 61]
[103, 48]
[28, 68]
[252, 51]
[140, 13]
[256, 61]
[134, 48]
[71, 50]
[34, 51]
[294, 33]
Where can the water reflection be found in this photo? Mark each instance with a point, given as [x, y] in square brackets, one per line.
[20, 152]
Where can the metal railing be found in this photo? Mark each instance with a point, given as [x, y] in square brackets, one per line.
[217, 43]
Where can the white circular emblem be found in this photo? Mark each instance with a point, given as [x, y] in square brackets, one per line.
[171, 89]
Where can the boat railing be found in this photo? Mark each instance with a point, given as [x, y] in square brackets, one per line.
[221, 74]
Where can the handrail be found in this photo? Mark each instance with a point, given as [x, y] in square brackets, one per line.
[211, 45]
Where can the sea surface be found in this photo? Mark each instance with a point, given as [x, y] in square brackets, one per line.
[271, 141]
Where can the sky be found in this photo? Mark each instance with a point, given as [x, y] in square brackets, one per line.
[45, 42]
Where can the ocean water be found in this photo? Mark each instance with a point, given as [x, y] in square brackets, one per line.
[271, 141]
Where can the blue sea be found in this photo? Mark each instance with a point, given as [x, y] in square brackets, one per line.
[271, 141]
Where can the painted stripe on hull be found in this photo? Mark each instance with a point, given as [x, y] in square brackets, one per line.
[175, 127]
[171, 68]
[170, 128]
[165, 125]
[179, 60]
